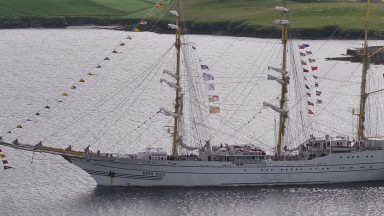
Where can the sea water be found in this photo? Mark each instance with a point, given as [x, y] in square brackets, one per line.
[116, 112]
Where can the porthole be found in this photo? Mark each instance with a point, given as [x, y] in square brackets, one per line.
[281, 169]
[341, 156]
[353, 156]
[261, 170]
[357, 156]
[371, 156]
[266, 169]
[347, 156]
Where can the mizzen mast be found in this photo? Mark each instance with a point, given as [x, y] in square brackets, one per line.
[177, 99]
[363, 93]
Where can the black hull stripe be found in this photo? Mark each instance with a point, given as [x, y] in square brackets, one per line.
[117, 175]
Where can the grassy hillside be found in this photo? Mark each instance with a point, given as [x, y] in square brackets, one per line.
[305, 14]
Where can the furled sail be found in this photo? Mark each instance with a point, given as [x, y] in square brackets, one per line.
[187, 147]
[173, 26]
[170, 84]
[169, 73]
[275, 108]
[167, 112]
[281, 9]
[280, 81]
[278, 70]
[173, 12]
[281, 22]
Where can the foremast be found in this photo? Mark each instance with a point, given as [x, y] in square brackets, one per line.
[178, 90]
[363, 93]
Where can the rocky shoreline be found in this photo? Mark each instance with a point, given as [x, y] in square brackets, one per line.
[224, 28]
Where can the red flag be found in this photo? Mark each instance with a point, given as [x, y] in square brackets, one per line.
[310, 103]
[1, 150]
[213, 98]
[310, 112]
[314, 68]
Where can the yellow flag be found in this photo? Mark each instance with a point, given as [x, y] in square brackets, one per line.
[137, 30]
[65, 94]
[214, 109]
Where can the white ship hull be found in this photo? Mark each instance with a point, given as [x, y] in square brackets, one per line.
[334, 168]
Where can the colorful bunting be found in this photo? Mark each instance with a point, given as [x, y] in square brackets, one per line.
[315, 77]
[310, 112]
[308, 94]
[214, 109]
[314, 68]
[308, 52]
[303, 46]
[65, 94]
[19, 126]
[305, 70]
[204, 67]
[210, 87]
[37, 114]
[318, 93]
[319, 101]
[114, 51]
[306, 86]
[213, 98]
[82, 81]
[47, 107]
[312, 60]
[303, 62]
[73, 87]
[310, 103]
[316, 84]
[302, 54]
[106, 58]
[208, 77]
[7, 167]
[122, 44]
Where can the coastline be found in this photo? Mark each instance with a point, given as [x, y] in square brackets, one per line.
[220, 28]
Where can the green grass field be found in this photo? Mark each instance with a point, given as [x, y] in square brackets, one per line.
[345, 14]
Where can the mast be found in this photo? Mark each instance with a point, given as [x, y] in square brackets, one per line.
[177, 99]
[363, 93]
[284, 89]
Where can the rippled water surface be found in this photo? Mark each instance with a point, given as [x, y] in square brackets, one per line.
[37, 66]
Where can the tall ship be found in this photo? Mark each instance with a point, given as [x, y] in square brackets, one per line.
[315, 160]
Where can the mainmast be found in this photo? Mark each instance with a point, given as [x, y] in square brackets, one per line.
[363, 94]
[283, 95]
[177, 99]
